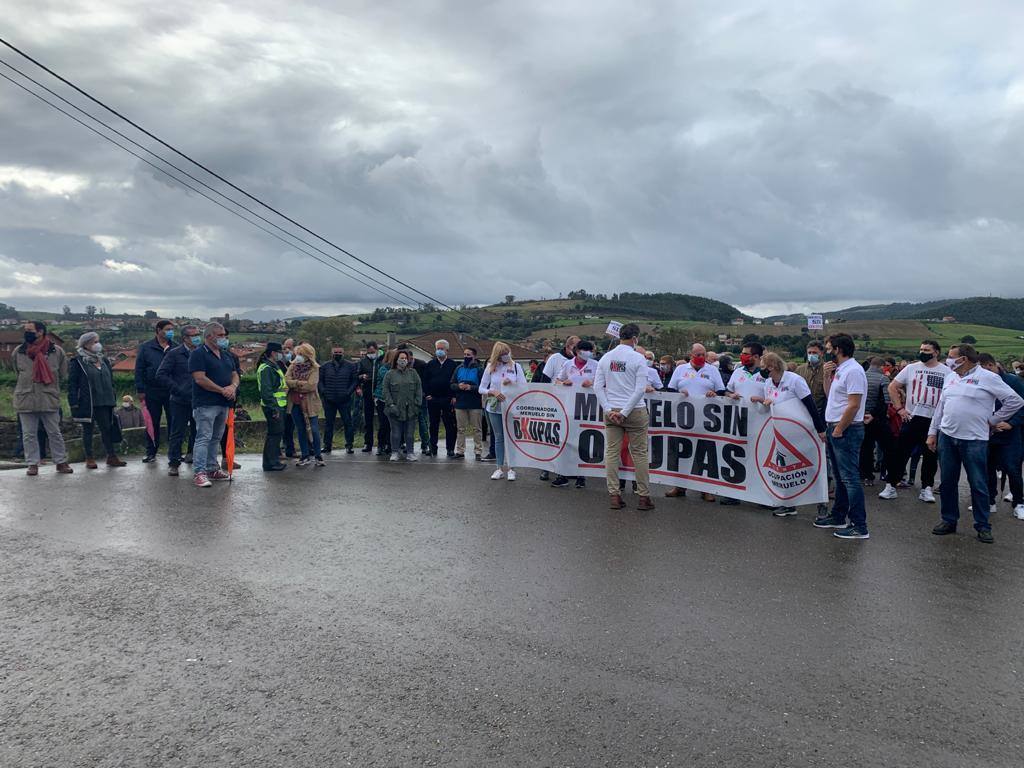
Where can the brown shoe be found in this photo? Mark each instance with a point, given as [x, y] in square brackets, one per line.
[644, 504]
[113, 461]
[33, 470]
[708, 496]
[65, 469]
[90, 464]
[675, 493]
[616, 502]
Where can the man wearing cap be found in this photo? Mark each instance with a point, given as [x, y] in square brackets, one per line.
[274, 399]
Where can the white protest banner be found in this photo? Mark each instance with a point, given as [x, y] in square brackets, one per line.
[613, 329]
[727, 447]
[815, 323]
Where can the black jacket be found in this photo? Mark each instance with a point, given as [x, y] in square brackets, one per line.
[437, 378]
[79, 389]
[173, 375]
[147, 363]
[370, 369]
[338, 380]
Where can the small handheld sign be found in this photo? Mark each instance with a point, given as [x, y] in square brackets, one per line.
[613, 329]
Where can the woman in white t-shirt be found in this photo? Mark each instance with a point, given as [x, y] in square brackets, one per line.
[781, 385]
[500, 372]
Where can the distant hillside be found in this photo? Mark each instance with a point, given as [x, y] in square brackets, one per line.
[658, 306]
[978, 310]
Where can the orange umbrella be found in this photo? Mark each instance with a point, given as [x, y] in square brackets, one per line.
[229, 448]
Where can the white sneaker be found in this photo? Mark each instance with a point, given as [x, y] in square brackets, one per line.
[888, 492]
[992, 509]
[411, 457]
[498, 475]
[926, 495]
[394, 457]
[511, 474]
[1018, 511]
[1008, 497]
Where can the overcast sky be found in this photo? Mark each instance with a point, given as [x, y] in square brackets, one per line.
[777, 155]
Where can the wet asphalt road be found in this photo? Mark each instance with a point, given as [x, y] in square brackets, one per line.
[370, 614]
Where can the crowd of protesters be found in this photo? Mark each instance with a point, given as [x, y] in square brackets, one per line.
[906, 422]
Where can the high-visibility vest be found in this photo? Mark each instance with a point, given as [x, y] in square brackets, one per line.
[281, 393]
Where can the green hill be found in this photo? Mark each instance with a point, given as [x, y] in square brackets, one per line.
[977, 310]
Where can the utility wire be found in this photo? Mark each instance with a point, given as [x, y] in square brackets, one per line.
[411, 301]
[185, 184]
[175, 150]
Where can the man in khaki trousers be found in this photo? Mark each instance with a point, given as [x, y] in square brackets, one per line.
[620, 384]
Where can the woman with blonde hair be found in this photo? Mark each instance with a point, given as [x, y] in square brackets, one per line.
[302, 378]
[502, 371]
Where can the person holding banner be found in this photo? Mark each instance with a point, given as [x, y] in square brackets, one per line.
[502, 371]
[580, 371]
[781, 385]
[846, 385]
[747, 381]
[552, 365]
[620, 383]
[696, 379]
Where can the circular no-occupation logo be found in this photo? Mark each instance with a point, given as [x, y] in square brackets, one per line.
[538, 424]
[789, 457]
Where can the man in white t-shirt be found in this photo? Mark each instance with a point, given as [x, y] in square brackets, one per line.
[552, 365]
[846, 385]
[915, 393]
[747, 381]
[696, 378]
[580, 371]
[619, 385]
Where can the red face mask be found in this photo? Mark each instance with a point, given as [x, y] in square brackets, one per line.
[745, 359]
[697, 361]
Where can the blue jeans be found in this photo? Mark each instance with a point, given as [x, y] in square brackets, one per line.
[498, 432]
[403, 436]
[300, 432]
[972, 455]
[844, 454]
[210, 421]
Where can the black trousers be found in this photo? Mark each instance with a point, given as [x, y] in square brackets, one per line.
[877, 433]
[158, 408]
[383, 429]
[102, 419]
[441, 409]
[344, 409]
[272, 442]
[180, 420]
[913, 434]
[369, 408]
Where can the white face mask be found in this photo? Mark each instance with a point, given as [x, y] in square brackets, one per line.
[372, 355]
[586, 354]
[951, 362]
[505, 358]
[126, 405]
[300, 359]
[96, 348]
[650, 363]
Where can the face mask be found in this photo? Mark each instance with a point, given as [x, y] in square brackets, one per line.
[169, 335]
[371, 355]
[441, 353]
[402, 362]
[831, 357]
[746, 360]
[959, 363]
[505, 358]
[664, 368]
[467, 361]
[925, 357]
[586, 354]
[126, 405]
[650, 363]
[697, 361]
[196, 340]
[30, 337]
[300, 359]
[338, 358]
[813, 359]
[288, 356]
[96, 348]
[223, 343]
[951, 362]
[277, 357]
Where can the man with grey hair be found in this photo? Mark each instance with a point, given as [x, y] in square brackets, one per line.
[174, 376]
[214, 390]
[437, 390]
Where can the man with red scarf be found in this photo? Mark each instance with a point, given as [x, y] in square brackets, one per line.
[40, 366]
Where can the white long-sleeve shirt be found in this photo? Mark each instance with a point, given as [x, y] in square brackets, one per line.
[621, 379]
[696, 382]
[966, 409]
[494, 381]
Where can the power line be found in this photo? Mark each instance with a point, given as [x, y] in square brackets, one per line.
[414, 302]
[216, 175]
[185, 184]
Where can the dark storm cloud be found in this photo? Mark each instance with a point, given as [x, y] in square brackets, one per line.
[797, 153]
